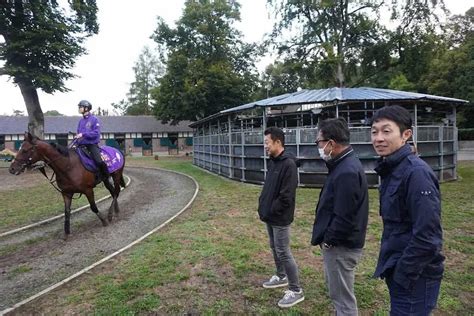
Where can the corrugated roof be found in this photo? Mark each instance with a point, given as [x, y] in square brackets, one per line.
[110, 124]
[332, 95]
[358, 94]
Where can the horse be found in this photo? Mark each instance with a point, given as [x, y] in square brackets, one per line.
[71, 176]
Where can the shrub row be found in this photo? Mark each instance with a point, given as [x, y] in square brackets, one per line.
[466, 134]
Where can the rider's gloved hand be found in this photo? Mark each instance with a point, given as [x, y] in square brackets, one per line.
[78, 135]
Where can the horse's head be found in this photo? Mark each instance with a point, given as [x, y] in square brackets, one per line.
[26, 156]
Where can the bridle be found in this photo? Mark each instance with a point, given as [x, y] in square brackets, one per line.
[27, 162]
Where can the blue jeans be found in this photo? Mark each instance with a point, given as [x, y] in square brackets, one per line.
[419, 300]
[279, 237]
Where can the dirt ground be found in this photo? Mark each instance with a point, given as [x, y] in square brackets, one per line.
[38, 258]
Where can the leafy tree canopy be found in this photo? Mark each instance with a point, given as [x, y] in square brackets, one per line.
[148, 69]
[39, 41]
[343, 41]
[52, 113]
[209, 67]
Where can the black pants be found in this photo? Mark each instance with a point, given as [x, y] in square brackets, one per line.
[94, 151]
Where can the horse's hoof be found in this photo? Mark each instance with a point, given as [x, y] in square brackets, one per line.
[66, 237]
[110, 217]
[105, 223]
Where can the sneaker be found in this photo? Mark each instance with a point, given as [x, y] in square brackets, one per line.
[275, 281]
[291, 298]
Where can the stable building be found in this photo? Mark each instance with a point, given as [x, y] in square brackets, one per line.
[230, 143]
[133, 135]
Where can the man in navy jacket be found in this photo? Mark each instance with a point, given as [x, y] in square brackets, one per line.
[410, 258]
[276, 208]
[341, 213]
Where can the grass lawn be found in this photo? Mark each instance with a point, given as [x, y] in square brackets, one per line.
[213, 258]
[33, 199]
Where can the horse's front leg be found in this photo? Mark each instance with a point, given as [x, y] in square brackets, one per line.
[90, 197]
[67, 197]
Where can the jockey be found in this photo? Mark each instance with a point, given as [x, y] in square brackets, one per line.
[88, 135]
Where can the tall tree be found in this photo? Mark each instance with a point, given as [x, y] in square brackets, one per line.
[280, 78]
[41, 41]
[148, 69]
[338, 38]
[209, 67]
[451, 73]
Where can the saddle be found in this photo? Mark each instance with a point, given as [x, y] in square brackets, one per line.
[112, 157]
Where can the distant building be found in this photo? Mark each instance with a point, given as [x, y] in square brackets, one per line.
[135, 135]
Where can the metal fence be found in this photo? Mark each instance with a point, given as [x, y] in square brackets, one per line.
[241, 155]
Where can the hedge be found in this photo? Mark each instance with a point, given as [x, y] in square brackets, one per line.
[466, 134]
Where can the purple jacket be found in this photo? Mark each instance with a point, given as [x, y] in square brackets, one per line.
[89, 126]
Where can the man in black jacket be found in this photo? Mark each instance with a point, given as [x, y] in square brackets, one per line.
[341, 213]
[276, 208]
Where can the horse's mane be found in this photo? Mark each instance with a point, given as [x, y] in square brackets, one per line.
[63, 150]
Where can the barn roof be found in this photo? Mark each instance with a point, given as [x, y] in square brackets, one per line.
[336, 95]
[110, 124]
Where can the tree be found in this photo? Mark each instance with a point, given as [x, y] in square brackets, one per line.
[40, 43]
[52, 113]
[209, 68]
[280, 78]
[148, 69]
[343, 40]
[451, 73]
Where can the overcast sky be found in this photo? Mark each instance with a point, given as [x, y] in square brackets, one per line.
[106, 71]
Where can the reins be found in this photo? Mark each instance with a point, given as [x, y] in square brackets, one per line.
[52, 180]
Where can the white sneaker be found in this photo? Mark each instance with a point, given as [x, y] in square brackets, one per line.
[275, 282]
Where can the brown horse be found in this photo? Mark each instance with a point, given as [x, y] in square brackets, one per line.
[71, 176]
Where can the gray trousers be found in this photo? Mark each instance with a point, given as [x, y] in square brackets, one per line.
[279, 237]
[339, 266]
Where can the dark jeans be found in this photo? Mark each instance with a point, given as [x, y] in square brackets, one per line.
[285, 263]
[419, 300]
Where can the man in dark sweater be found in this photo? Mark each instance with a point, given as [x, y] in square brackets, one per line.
[276, 208]
[341, 213]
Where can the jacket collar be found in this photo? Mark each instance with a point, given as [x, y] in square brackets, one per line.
[386, 164]
[281, 156]
[331, 164]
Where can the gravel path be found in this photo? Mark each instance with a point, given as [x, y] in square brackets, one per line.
[33, 260]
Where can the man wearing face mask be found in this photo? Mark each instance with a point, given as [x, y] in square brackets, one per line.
[341, 213]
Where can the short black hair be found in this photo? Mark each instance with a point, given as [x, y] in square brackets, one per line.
[335, 129]
[275, 134]
[394, 113]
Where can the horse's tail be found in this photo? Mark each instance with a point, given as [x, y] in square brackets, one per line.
[122, 181]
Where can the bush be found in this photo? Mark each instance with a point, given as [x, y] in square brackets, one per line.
[466, 134]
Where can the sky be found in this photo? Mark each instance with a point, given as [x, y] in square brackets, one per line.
[105, 72]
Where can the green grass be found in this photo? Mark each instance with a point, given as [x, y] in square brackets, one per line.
[213, 258]
[23, 206]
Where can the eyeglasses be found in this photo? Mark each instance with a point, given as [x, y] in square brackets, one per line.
[321, 140]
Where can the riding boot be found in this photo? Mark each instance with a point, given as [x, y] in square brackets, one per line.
[104, 171]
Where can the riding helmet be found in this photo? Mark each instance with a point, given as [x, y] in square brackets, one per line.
[85, 104]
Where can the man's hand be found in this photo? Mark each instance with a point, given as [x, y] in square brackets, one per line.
[78, 135]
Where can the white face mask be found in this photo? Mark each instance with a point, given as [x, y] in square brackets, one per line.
[323, 155]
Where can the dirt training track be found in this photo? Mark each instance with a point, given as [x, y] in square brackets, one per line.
[40, 257]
